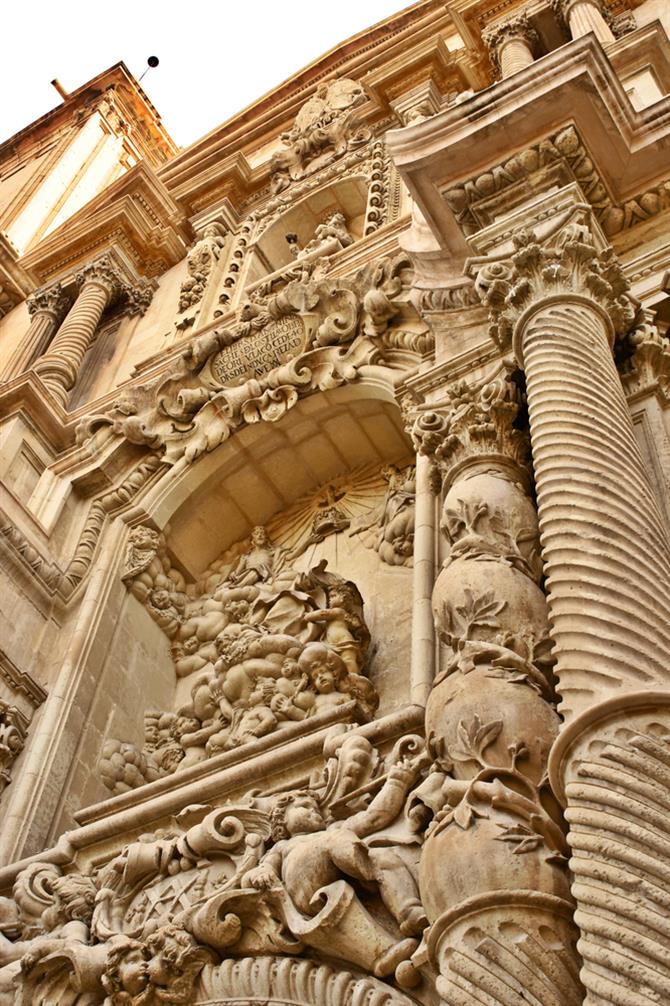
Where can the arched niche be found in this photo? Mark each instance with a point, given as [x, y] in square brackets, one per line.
[290, 981]
[271, 252]
[264, 467]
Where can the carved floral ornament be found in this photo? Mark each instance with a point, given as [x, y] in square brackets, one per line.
[477, 421]
[315, 334]
[245, 898]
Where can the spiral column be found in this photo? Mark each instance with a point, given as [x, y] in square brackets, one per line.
[59, 366]
[492, 875]
[607, 564]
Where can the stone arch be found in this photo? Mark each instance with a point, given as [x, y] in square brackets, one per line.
[351, 410]
[290, 981]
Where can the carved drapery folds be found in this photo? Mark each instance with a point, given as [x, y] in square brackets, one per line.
[607, 561]
[314, 334]
[500, 913]
[328, 869]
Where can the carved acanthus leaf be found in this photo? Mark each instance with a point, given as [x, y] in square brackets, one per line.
[475, 421]
[571, 264]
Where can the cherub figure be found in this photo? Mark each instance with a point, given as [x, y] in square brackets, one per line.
[163, 970]
[342, 625]
[258, 564]
[309, 854]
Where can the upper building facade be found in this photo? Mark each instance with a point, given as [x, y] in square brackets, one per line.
[335, 561]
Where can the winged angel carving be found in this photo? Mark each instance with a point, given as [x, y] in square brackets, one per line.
[288, 874]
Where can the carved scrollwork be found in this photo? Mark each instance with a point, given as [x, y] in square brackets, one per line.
[328, 869]
[325, 128]
[251, 372]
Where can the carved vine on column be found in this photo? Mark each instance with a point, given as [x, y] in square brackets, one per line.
[328, 869]
[500, 913]
[314, 334]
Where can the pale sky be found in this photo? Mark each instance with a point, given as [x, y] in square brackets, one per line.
[215, 57]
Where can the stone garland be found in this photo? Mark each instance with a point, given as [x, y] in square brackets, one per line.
[500, 912]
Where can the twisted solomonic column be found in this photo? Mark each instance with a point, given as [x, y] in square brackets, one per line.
[607, 564]
[99, 284]
[511, 43]
[493, 876]
[46, 308]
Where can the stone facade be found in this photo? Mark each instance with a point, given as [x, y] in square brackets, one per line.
[334, 528]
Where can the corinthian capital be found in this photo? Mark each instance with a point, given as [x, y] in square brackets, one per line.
[102, 273]
[477, 422]
[517, 27]
[571, 267]
[562, 9]
[53, 300]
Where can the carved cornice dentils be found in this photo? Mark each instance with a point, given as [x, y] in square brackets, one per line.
[511, 44]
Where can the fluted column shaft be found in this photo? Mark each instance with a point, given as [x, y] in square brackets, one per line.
[585, 15]
[47, 309]
[60, 365]
[514, 54]
[607, 567]
[511, 43]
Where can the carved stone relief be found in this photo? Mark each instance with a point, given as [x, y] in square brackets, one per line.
[327, 869]
[263, 647]
[561, 158]
[486, 800]
[229, 377]
[200, 262]
[325, 128]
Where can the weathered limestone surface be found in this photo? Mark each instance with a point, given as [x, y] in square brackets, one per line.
[334, 548]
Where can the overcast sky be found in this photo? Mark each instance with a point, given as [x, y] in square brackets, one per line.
[215, 57]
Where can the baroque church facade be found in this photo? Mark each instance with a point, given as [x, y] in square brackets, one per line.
[334, 528]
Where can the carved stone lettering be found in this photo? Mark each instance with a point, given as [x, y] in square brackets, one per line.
[260, 352]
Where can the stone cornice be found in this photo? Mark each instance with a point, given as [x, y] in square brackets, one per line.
[573, 85]
[135, 213]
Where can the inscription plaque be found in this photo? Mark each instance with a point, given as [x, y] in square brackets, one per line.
[256, 354]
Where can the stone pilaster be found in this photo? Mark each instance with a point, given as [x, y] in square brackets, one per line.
[493, 875]
[584, 16]
[607, 567]
[47, 308]
[511, 44]
[98, 284]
